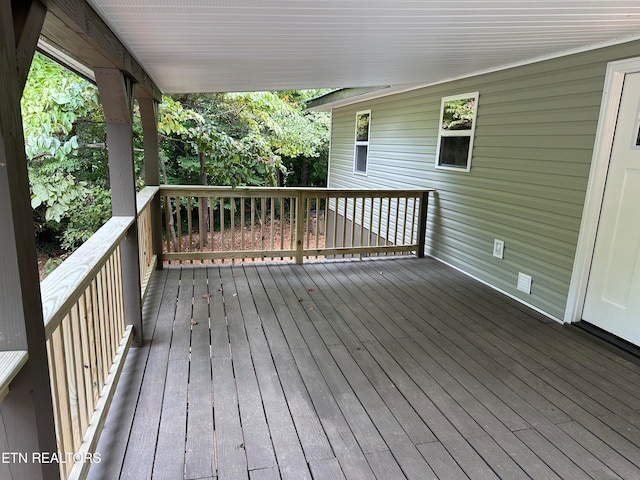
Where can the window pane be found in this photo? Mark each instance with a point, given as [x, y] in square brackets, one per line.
[362, 130]
[454, 151]
[458, 114]
[361, 158]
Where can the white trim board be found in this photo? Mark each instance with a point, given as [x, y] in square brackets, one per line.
[611, 95]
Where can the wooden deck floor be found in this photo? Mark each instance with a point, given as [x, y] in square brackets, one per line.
[388, 369]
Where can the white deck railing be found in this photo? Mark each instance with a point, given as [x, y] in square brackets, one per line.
[221, 224]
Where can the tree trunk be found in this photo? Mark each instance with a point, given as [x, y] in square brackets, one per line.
[172, 225]
[304, 173]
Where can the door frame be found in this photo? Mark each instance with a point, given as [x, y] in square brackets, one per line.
[611, 96]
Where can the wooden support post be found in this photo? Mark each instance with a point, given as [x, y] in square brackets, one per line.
[149, 117]
[422, 223]
[116, 96]
[26, 414]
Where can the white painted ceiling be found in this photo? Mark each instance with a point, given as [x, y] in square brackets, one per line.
[234, 45]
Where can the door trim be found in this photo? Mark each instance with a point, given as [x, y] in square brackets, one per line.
[611, 96]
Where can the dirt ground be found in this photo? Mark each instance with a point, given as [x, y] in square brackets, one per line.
[266, 239]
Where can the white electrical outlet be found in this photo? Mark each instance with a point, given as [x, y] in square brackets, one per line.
[524, 283]
[498, 248]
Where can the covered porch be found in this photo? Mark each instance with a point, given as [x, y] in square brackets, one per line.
[392, 368]
[358, 368]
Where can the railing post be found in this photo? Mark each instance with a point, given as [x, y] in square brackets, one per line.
[116, 96]
[149, 117]
[300, 199]
[422, 223]
[26, 414]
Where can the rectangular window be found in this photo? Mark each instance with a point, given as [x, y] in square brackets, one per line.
[361, 155]
[457, 126]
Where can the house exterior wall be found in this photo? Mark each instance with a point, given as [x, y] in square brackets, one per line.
[533, 148]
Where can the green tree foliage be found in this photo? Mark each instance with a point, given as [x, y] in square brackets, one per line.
[64, 143]
[245, 138]
[235, 139]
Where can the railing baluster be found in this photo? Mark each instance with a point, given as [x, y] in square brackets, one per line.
[281, 223]
[253, 222]
[371, 209]
[72, 381]
[95, 339]
[412, 238]
[243, 225]
[189, 212]
[79, 374]
[397, 219]
[352, 242]
[312, 223]
[272, 221]
[223, 246]
[58, 371]
[379, 221]
[87, 366]
[263, 223]
[179, 223]
[102, 318]
[202, 231]
[404, 221]
[361, 241]
[232, 213]
[387, 231]
[344, 223]
[292, 221]
[212, 223]
[167, 222]
[336, 225]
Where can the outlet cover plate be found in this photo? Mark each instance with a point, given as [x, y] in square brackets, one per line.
[498, 248]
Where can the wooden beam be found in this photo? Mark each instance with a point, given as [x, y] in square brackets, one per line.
[149, 117]
[25, 427]
[28, 20]
[97, 42]
[116, 95]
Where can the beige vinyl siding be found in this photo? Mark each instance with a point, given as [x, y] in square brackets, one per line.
[534, 139]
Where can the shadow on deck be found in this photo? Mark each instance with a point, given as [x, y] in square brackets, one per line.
[395, 368]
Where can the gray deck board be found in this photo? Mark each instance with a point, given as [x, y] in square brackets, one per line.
[384, 368]
[199, 461]
[257, 439]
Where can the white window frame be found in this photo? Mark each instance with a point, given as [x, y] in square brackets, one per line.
[457, 133]
[361, 143]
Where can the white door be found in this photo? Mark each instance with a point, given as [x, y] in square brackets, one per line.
[613, 292]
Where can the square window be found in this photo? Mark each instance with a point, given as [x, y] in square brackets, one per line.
[361, 158]
[456, 132]
[361, 154]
